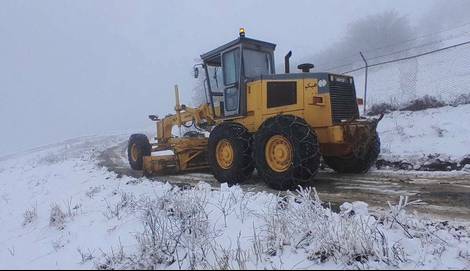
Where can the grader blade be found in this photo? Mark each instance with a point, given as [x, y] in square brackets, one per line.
[189, 154]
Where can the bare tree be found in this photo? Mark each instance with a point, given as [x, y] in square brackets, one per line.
[379, 31]
[376, 35]
[445, 15]
[446, 19]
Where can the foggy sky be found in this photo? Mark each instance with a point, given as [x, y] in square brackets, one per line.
[74, 68]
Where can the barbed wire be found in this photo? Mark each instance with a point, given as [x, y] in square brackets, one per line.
[417, 38]
[406, 49]
[413, 48]
[440, 74]
[394, 53]
[409, 57]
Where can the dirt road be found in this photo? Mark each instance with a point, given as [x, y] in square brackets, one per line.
[445, 195]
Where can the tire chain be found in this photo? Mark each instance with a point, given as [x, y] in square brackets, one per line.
[308, 131]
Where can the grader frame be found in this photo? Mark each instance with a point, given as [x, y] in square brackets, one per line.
[189, 153]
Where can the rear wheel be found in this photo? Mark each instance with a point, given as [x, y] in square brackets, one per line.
[355, 163]
[138, 147]
[229, 153]
[286, 152]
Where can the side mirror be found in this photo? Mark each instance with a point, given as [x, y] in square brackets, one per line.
[196, 72]
[154, 117]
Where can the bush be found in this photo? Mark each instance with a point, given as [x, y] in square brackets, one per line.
[418, 104]
[461, 100]
[381, 108]
[423, 103]
[30, 216]
[126, 203]
[192, 229]
[57, 217]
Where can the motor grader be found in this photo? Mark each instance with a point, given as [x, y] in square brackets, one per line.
[280, 124]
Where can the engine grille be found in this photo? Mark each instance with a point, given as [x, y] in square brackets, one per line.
[343, 101]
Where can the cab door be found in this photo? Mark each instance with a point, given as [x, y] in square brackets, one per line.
[231, 71]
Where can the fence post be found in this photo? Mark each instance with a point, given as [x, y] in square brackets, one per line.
[365, 85]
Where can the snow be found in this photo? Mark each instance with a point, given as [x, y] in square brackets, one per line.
[59, 210]
[357, 207]
[412, 136]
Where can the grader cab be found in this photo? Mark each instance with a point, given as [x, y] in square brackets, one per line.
[280, 124]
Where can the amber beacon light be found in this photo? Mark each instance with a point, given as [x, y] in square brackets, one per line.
[242, 32]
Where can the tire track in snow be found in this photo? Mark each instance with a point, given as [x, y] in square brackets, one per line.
[443, 194]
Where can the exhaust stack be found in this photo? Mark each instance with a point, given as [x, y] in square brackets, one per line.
[286, 62]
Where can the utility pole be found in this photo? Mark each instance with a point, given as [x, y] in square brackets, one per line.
[365, 85]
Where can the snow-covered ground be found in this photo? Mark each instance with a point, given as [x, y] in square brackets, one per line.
[59, 209]
[425, 136]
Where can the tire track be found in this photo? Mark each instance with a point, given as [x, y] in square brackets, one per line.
[443, 194]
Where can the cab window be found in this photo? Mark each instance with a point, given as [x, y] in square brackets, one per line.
[231, 99]
[231, 62]
[256, 63]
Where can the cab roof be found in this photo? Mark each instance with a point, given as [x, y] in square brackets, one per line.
[213, 57]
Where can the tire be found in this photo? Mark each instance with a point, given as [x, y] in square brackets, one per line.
[354, 164]
[142, 148]
[237, 137]
[304, 149]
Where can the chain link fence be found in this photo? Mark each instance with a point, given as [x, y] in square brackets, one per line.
[443, 73]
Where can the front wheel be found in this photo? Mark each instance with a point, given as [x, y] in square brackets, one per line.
[354, 163]
[287, 153]
[138, 147]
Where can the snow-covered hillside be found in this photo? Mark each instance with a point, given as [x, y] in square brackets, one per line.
[423, 137]
[59, 209]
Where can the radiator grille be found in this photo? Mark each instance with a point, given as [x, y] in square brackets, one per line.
[343, 101]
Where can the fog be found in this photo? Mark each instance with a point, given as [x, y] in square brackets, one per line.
[76, 68]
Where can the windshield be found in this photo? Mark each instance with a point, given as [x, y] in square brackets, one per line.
[256, 63]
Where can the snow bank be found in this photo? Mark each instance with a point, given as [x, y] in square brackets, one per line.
[228, 229]
[421, 137]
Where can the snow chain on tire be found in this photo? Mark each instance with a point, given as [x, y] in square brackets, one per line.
[357, 163]
[305, 152]
[240, 140]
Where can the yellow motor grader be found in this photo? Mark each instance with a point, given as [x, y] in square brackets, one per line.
[280, 124]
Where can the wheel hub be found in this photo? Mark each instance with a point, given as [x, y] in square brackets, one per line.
[134, 152]
[279, 153]
[224, 154]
